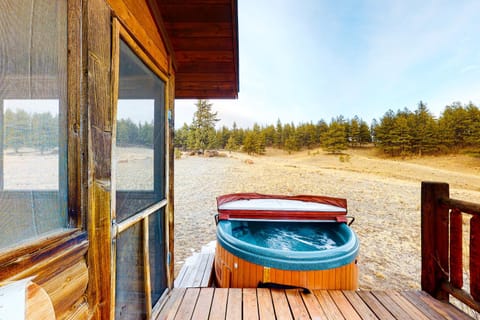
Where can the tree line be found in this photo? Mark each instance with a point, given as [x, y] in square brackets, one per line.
[399, 133]
[130, 133]
[30, 130]
[405, 132]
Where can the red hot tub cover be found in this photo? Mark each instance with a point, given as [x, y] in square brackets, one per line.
[255, 206]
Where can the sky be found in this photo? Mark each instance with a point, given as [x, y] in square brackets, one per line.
[306, 60]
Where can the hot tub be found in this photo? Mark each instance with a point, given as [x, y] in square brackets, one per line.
[299, 241]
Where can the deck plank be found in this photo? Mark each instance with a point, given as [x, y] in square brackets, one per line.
[297, 306]
[391, 305]
[251, 303]
[447, 310]
[265, 304]
[405, 304]
[202, 311]
[250, 306]
[234, 307]
[187, 307]
[196, 272]
[208, 271]
[359, 305]
[380, 311]
[328, 305]
[181, 275]
[200, 270]
[344, 305]
[219, 304]
[423, 306]
[313, 306]
[170, 307]
[280, 304]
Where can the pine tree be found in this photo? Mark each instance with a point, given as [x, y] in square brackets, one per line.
[180, 140]
[383, 132]
[278, 140]
[18, 127]
[365, 135]
[354, 132]
[421, 132]
[44, 131]
[249, 142]
[203, 126]
[334, 139]
[232, 144]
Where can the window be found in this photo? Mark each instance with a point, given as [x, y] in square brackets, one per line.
[139, 167]
[33, 64]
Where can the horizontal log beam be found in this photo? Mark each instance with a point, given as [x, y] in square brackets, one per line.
[204, 94]
[206, 67]
[205, 43]
[204, 56]
[179, 12]
[34, 258]
[205, 77]
[215, 86]
[199, 29]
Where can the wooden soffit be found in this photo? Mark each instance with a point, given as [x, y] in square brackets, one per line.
[204, 37]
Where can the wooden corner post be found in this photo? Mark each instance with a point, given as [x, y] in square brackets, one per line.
[435, 239]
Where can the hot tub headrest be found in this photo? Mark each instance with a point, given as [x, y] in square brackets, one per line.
[252, 206]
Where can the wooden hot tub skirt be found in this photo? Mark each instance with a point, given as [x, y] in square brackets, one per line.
[234, 272]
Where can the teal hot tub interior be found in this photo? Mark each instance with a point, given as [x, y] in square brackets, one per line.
[290, 245]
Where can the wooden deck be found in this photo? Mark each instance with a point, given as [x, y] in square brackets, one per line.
[192, 298]
[196, 273]
[230, 304]
[442, 276]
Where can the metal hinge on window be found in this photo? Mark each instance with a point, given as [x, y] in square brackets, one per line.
[114, 230]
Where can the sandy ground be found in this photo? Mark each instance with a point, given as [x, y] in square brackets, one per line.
[382, 194]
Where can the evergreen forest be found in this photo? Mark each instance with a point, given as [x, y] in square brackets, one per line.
[30, 130]
[397, 133]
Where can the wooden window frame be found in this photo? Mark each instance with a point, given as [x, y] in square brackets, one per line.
[73, 114]
[119, 32]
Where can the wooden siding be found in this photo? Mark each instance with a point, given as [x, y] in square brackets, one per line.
[203, 34]
[136, 17]
[99, 127]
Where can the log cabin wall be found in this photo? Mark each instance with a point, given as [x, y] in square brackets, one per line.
[55, 253]
[74, 260]
[59, 259]
[131, 23]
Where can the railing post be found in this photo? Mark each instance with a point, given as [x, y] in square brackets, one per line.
[475, 257]
[435, 239]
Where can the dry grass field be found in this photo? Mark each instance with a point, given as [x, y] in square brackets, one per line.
[383, 194]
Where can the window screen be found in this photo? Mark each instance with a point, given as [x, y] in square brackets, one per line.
[33, 63]
[140, 141]
[139, 160]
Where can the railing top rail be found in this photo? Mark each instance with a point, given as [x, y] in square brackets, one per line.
[464, 206]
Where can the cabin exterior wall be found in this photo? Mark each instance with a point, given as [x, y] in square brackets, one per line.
[75, 265]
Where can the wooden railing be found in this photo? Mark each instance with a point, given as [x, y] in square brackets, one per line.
[442, 245]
